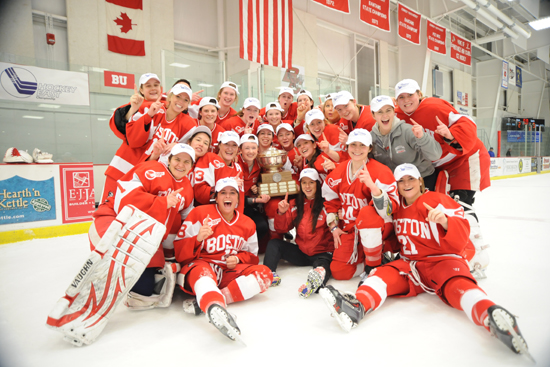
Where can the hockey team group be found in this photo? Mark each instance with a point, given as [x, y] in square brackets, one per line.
[386, 193]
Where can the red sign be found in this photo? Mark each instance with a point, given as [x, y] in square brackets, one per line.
[77, 192]
[118, 80]
[409, 24]
[376, 13]
[338, 5]
[461, 50]
[436, 38]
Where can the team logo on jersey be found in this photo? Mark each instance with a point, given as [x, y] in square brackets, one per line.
[212, 222]
[400, 149]
[151, 175]
[239, 129]
[332, 182]
[217, 164]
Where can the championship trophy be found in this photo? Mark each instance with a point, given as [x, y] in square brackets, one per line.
[275, 181]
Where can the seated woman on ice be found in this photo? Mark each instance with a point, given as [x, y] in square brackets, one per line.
[314, 243]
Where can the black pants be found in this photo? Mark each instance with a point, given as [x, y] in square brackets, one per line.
[430, 181]
[262, 228]
[466, 196]
[146, 282]
[278, 249]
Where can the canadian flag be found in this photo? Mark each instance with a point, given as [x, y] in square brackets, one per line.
[125, 27]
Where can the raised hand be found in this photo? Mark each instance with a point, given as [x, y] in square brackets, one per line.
[248, 127]
[342, 136]
[324, 146]
[155, 106]
[136, 99]
[283, 205]
[297, 162]
[196, 95]
[436, 216]
[417, 129]
[365, 177]
[443, 130]
[328, 165]
[205, 231]
[172, 199]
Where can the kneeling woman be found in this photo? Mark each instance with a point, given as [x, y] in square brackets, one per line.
[218, 248]
[434, 244]
[315, 244]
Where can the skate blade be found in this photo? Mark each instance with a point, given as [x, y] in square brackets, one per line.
[523, 349]
[343, 320]
[222, 324]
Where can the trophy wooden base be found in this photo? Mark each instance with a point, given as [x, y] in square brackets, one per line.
[278, 184]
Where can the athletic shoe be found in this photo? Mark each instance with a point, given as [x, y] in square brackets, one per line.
[14, 155]
[347, 310]
[315, 279]
[41, 157]
[191, 306]
[222, 320]
[276, 280]
[503, 325]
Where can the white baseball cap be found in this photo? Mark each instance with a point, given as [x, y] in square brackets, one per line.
[209, 101]
[303, 137]
[183, 148]
[265, 127]
[302, 92]
[180, 88]
[285, 126]
[378, 102]
[330, 96]
[342, 98]
[406, 86]
[195, 130]
[314, 114]
[146, 77]
[404, 170]
[274, 106]
[251, 102]
[311, 173]
[230, 85]
[249, 138]
[360, 135]
[286, 90]
[228, 136]
[226, 182]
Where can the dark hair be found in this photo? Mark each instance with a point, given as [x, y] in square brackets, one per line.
[183, 81]
[317, 153]
[318, 205]
[200, 132]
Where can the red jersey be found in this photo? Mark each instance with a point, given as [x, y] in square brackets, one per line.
[250, 176]
[309, 243]
[365, 121]
[228, 115]
[290, 115]
[120, 111]
[341, 190]
[331, 134]
[237, 124]
[235, 238]
[423, 240]
[318, 165]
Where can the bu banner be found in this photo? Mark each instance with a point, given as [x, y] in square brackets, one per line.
[23, 200]
[437, 36]
[118, 80]
[461, 50]
[77, 192]
[31, 84]
[376, 13]
[409, 24]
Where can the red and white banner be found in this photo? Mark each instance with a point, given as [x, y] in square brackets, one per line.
[376, 13]
[77, 192]
[436, 36]
[461, 50]
[118, 80]
[125, 27]
[266, 32]
[338, 5]
[409, 24]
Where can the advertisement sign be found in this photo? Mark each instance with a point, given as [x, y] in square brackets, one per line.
[77, 192]
[512, 166]
[461, 50]
[519, 137]
[23, 200]
[31, 84]
[408, 24]
[118, 80]
[436, 36]
[504, 83]
[376, 13]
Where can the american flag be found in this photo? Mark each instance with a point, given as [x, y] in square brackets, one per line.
[266, 32]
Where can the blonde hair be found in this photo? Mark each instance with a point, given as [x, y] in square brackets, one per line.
[236, 95]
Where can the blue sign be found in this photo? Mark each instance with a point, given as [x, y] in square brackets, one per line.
[518, 77]
[23, 200]
[519, 137]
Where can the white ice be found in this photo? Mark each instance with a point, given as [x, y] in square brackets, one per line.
[278, 327]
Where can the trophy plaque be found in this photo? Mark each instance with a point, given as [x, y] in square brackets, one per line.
[275, 181]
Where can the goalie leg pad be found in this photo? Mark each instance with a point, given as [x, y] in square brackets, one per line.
[105, 278]
[167, 282]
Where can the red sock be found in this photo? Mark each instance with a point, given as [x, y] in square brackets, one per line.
[209, 298]
[463, 294]
[368, 297]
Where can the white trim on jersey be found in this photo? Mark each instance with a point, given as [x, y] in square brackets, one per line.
[456, 212]
[441, 161]
[474, 166]
[454, 117]
[128, 187]
[121, 164]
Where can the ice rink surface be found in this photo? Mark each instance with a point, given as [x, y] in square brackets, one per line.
[278, 327]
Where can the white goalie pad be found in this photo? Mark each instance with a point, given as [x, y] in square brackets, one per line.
[161, 298]
[480, 261]
[107, 275]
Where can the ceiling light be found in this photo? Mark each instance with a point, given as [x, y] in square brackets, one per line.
[33, 117]
[543, 23]
[49, 105]
[205, 85]
[178, 65]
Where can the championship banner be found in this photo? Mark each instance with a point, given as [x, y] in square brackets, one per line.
[32, 84]
[461, 50]
[118, 80]
[504, 83]
[519, 77]
[436, 36]
[23, 200]
[77, 192]
[376, 13]
[408, 24]
[338, 5]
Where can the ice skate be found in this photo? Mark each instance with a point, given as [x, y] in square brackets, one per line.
[190, 305]
[14, 155]
[276, 280]
[503, 325]
[315, 279]
[41, 157]
[222, 320]
[347, 310]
